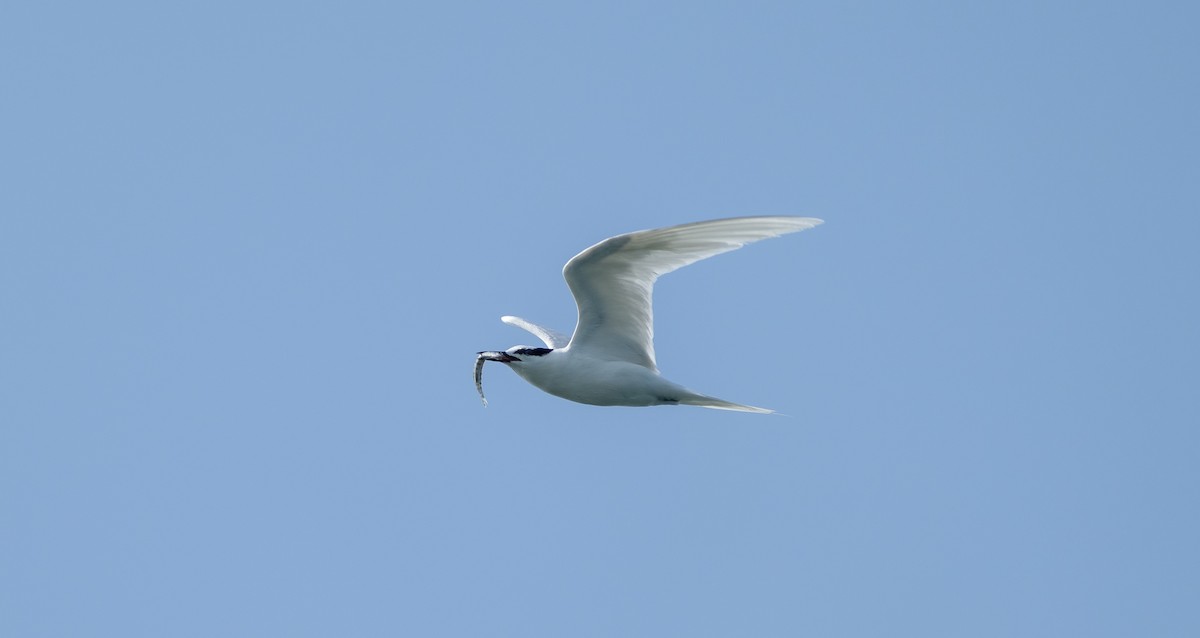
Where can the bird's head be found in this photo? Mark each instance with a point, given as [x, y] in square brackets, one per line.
[519, 355]
[515, 354]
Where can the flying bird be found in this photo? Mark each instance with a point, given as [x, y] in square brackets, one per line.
[609, 360]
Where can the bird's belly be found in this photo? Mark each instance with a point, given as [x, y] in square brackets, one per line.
[609, 383]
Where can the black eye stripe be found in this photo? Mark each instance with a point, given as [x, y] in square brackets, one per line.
[533, 352]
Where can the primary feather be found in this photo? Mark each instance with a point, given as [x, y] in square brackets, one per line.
[552, 338]
[613, 281]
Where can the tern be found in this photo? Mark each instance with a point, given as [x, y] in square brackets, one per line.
[609, 360]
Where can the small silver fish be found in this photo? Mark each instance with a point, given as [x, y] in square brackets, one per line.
[479, 377]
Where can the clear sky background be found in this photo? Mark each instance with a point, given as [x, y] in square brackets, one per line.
[248, 252]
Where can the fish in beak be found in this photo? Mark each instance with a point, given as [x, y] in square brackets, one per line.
[488, 355]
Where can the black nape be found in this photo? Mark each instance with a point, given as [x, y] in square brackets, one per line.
[533, 352]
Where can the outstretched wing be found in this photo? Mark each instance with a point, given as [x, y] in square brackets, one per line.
[613, 281]
[552, 338]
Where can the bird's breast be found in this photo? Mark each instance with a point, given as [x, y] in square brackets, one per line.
[599, 382]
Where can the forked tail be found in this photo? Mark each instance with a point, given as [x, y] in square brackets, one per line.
[717, 404]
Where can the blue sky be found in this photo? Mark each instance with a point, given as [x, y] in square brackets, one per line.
[249, 250]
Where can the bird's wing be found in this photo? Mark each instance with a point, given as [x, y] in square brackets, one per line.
[613, 281]
[552, 338]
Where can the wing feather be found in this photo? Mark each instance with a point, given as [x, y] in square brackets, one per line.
[613, 281]
[552, 338]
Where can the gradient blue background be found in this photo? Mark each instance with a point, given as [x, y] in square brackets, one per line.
[248, 252]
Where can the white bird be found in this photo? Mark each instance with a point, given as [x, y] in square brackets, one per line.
[609, 360]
